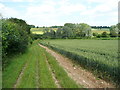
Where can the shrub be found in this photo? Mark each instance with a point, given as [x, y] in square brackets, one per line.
[14, 38]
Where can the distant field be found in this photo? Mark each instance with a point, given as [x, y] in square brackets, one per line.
[98, 55]
[40, 30]
[37, 30]
[99, 31]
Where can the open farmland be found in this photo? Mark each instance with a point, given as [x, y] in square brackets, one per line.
[39, 30]
[99, 56]
[36, 30]
[99, 31]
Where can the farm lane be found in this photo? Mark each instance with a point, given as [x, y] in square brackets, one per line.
[81, 76]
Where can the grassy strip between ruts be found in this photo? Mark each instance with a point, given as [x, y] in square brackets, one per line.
[46, 80]
[64, 80]
[29, 78]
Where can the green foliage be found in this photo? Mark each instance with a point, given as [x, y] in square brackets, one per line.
[83, 30]
[104, 34]
[59, 33]
[15, 36]
[21, 24]
[95, 34]
[114, 31]
[69, 30]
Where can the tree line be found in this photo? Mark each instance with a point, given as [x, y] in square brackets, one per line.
[69, 30]
[81, 30]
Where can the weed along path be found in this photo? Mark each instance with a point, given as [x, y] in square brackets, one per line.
[81, 76]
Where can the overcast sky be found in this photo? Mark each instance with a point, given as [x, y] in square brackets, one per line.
[58, 12]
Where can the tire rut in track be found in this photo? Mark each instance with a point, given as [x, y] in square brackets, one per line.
[53, 75]
[20, 76]
[81, 76]
[37, 74]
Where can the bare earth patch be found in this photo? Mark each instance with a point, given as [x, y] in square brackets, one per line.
[81, 76]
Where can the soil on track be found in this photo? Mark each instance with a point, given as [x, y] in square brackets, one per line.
[81, 76]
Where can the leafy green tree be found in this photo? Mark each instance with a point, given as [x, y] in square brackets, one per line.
[114, 31]
[22, 24]
[104, 34]
[14, 37]
[59, 33]
[52, 33]
[83, 30]
[70, 25]
[95, 34]
[67, 32]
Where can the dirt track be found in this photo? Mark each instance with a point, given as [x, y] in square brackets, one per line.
[82, 77]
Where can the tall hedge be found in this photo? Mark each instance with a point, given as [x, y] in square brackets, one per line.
[15, 36]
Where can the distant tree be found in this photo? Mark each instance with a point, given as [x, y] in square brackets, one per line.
[70, 25]
[104, 34]
[114, 31]
[52, 33]
[37, 27]
[67, 32]
[83, 30]
[118, 25]
[32, 26]
[59, 33]
[99, 36]
[95, 34]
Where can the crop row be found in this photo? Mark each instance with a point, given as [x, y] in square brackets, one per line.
[105, 66]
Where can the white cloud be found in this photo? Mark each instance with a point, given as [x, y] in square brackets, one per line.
[50, 12]
[16, 0]
[7, 11]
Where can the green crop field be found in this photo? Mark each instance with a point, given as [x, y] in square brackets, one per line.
[99, 56]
